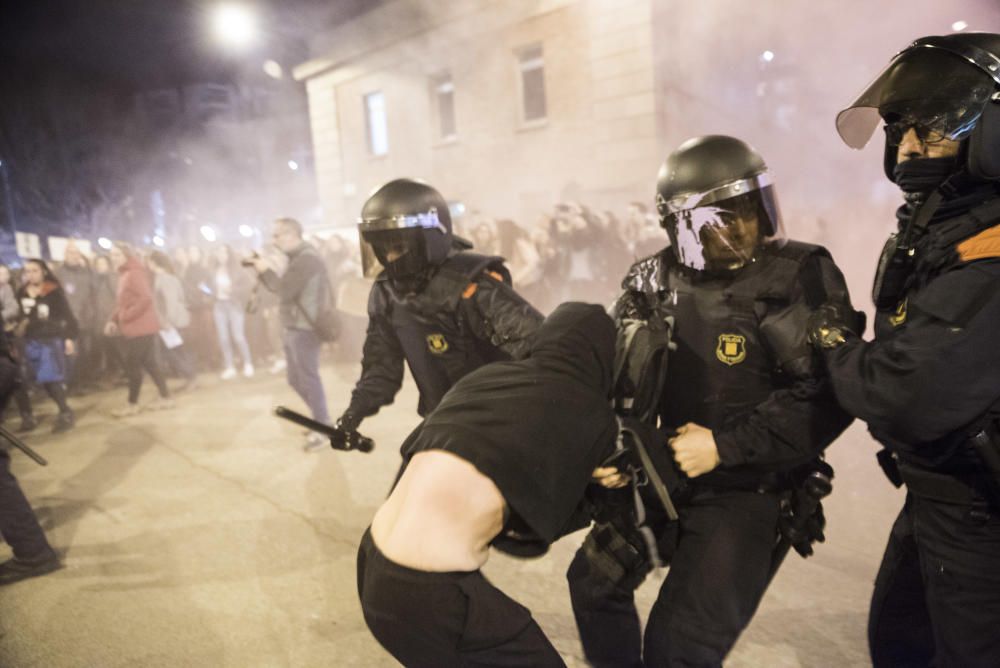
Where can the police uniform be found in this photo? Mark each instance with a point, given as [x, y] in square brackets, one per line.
[18, 525]
[466, 316]
[928, 384]
[443, 309]
[739, 298]
[743, 369]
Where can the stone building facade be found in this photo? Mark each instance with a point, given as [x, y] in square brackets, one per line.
[507, 106]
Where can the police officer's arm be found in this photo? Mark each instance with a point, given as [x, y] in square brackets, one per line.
[799, 420]
[936, 371]
[381, 362]
[497, 314]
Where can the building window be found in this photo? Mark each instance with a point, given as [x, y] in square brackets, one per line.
[444, 105]
[531, 62]
[376, 123]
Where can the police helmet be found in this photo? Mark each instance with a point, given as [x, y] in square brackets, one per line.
[715, 199]
[946, 87]
[405, 228]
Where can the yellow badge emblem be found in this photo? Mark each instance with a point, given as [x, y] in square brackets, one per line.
[732, 349]
[900, 316]
[437, 344]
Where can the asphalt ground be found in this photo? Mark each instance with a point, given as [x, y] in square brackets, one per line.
[206, 536]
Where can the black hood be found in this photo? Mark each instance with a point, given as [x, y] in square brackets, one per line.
[539, 426]
[578, 340]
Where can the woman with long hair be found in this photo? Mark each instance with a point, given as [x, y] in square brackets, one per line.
[135, 320]
[48, 327]
[231, 289]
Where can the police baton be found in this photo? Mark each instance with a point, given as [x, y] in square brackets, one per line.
[22, 446]
[339, 438]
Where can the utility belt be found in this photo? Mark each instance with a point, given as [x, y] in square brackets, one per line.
[969, 490]
[762, 483]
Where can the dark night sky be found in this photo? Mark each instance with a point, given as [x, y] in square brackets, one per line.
[150, 43]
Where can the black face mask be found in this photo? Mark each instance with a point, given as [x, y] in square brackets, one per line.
[923, 175]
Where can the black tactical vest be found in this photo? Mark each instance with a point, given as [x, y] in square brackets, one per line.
[431, 326]
[729, 354]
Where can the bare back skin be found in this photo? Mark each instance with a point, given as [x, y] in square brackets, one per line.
[441, 516]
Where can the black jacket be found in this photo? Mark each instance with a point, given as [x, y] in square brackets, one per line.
[742, 366]
[932, 373]
[467, 316]
[303, 290]
[49, 315]
[536, 427]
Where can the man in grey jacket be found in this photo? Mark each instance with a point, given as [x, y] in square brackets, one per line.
[304, 293]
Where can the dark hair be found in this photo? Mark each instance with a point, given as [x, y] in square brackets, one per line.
[162, 260]
[47, 274]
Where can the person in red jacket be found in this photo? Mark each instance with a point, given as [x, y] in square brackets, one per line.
[134, 319]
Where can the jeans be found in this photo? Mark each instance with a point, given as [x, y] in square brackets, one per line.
[302, 355]
[229, 323]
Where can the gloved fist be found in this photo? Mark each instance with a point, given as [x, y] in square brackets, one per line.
[831, 324]
[348, 422]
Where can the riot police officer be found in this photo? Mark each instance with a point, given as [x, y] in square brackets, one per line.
[744, 397]
[442, 309]
[927, 385]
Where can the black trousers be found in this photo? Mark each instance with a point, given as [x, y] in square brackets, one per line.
[18, 525]
[937, 593]
[718, 575]
[446, 619]
[140, 353]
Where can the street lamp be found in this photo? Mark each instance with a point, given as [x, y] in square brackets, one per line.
[234, 25]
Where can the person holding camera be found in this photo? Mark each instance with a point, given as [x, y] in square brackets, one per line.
[306, 306]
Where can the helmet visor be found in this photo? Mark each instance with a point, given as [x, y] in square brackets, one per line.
[726, 234]
[399, 251]
[940, 86]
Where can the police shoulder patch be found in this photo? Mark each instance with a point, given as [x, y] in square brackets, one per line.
[437, 344]
[732, 349]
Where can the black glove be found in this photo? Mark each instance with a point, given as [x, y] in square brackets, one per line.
[349, 421]
[832, 324]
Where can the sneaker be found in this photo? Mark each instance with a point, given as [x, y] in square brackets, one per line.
[279, 366]
[248, 370]
[64, 422]
[228, 374]
[27, 423]
[15, 570]
[315, 441]
[126, 411]
[160, 404]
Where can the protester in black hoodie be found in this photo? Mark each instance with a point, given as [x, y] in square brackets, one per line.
[503, 461]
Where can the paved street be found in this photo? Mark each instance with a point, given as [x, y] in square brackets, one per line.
[205, 536]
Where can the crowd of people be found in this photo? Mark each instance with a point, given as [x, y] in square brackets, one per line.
[535, 427]
[205, 313]
[92, 322]
[571, 252]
